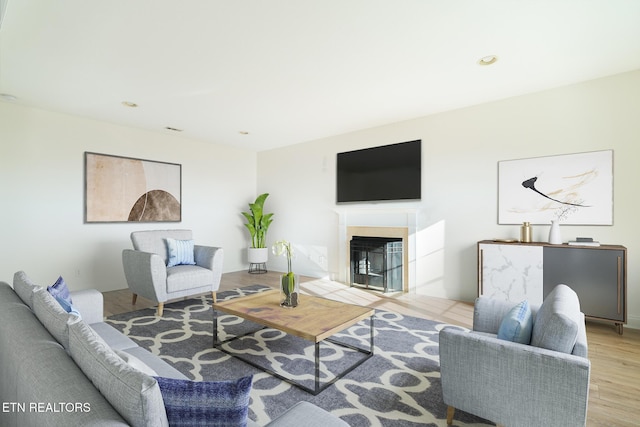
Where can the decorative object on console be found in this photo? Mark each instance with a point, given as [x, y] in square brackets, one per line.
[555, 238]
[289, 283]
[258, 223]
[583, 241]
[574, 188]
[525, 232]
[123, 189]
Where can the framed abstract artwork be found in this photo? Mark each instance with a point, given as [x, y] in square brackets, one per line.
[572, 188]
[124, 189]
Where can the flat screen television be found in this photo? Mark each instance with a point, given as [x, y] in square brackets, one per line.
[389, 172]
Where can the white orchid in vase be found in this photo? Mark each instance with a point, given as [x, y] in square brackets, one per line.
[288, 281]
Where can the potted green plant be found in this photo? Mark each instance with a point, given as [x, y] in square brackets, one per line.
[258, 223]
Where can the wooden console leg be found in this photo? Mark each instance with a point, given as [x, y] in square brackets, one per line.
[133, 300]
[160, 308]
[213, 296]
[450, 412]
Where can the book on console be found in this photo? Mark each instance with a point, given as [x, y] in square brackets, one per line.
[583, 243]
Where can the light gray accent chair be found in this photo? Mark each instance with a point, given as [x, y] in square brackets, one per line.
[518, 385]
[147, 274]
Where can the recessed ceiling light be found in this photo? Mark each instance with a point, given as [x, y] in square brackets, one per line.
[7, 97]
[129, 104]
[488, 60]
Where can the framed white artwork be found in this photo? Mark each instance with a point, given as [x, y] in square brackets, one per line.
[572, 188]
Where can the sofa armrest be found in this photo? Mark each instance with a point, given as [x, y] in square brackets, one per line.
[307, 414]
[504, 381]
[90, 304]
[488, 314]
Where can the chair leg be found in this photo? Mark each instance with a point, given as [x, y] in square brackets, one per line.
[213, 296]
[160, 309]
[450, 412]
[134, 299]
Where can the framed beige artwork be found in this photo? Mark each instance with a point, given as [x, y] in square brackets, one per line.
[125, 189]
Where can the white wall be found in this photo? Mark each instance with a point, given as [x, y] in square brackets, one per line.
[42, 229]
[461, 150]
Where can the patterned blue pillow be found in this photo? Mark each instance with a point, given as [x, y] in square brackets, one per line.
[60, 290]
[206, 403]
[517, 324]
[180, 252]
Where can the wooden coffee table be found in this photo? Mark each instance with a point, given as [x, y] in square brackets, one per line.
[314, 319]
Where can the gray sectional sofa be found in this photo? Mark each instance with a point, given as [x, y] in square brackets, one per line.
[57, 369]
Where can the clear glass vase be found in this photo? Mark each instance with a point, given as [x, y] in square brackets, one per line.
[289, 290]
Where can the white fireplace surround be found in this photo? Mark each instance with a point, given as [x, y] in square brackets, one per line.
[397, 223]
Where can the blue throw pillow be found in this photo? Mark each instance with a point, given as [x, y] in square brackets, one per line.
[206, 403]
[180, 252]
[517, 324]
[60, 290]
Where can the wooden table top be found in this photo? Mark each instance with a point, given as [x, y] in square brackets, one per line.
[314, 319]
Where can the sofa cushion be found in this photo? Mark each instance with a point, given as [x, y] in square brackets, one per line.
[179, 252]
[211, 403]
[24, 287]
[52, 316]
[59, 290]
[517, 324]
[134, 394]
[68, 307]
[185, 277]
[159, 366]
[135, 363]
[557, 322]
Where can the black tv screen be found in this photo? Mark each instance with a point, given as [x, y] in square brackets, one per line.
[389, 172]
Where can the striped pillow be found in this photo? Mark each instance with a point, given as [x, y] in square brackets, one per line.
[211, 403]
[180, 252]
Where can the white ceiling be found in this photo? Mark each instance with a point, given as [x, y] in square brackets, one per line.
[290, 71]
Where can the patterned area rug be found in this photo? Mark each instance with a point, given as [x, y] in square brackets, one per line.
[398, 386]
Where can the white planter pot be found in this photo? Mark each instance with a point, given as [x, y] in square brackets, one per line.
[258, 255]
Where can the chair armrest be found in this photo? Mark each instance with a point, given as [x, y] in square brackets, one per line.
[90, 304]
[146, 274]
[208, 257]
[504, 381]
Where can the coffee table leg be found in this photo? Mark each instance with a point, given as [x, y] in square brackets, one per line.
[317, 367]
[215, 327]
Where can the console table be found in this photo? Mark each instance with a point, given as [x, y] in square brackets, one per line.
[517, 271]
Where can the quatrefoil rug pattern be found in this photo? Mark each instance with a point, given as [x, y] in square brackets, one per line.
[398, 386]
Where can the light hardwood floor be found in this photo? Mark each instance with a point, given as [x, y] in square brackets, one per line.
[614, 394]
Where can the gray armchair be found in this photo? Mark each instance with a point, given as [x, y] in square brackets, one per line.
[516, 384]
[147, 274]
